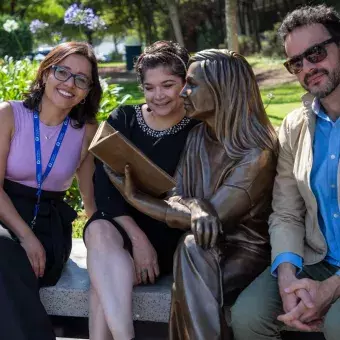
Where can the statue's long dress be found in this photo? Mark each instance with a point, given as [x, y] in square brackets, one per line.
[207, 280]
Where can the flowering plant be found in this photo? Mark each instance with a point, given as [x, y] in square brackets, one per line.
[37, 26]
[84, 17]
[10, 25]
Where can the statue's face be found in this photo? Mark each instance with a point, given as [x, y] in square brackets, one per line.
[198, 99]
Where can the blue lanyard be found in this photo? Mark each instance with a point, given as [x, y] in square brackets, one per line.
[40, 177]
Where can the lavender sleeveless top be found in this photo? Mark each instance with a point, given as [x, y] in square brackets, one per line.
[21, 166]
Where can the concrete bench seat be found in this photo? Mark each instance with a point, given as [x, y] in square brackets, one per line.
[70, 296]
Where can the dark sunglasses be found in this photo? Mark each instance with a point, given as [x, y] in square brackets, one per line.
[314, 54]
[63, 74]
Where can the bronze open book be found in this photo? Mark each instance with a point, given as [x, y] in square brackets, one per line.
[115, 150]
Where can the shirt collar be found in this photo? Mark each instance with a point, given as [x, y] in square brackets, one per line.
[319, 111]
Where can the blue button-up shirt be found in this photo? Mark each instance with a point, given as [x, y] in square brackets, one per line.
[326, 156]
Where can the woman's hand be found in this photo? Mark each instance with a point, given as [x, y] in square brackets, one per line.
[35, 253]
[205, 223]
[124, 184]
[145, 259]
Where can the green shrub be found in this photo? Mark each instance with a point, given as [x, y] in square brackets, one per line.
[17, 43]
[271, 45]
[247, 44]
[15, 77]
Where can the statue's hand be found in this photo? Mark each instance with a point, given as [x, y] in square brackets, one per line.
[205, 223]
[124, 184]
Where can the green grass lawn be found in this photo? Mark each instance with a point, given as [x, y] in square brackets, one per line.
[262, 62]
[284, 99]
[112, 64]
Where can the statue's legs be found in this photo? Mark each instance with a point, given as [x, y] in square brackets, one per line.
[205, 281]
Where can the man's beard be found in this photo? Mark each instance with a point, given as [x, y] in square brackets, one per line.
[332, 83]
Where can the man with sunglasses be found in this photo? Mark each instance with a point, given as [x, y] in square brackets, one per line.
[301, 289]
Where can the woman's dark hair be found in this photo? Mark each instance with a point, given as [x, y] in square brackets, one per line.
[163, 53]
[309, 15]
[80, 114]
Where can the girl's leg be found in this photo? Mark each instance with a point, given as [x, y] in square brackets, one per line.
[112, 275]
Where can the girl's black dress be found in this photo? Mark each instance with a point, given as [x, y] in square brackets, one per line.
[164, 148]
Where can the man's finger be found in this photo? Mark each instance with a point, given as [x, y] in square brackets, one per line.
[309, 317]
[305, 297]
[299, 284]
[297, 324]
[294, 314]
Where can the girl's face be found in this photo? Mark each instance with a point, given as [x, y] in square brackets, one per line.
[161, 90]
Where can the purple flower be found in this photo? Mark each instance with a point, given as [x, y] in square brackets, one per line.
[75, 15]
[37, 25]
[97, 24]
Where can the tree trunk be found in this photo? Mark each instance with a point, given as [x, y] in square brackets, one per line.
[173, 12]
[12, 7]
[89, 37]
[231, 24]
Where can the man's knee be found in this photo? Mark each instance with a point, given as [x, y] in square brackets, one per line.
[255, 310]
[246, 315]
[332, 322]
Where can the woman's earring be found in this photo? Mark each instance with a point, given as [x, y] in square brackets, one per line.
[82, 102]
[148, 109]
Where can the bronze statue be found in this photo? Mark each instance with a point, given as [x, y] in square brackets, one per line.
[223, 194]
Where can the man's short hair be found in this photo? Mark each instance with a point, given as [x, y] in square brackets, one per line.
[309, 15]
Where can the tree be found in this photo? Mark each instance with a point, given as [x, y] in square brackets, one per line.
[172, 6]
[231, 18]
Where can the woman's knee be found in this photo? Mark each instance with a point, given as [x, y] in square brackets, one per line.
[102, 234]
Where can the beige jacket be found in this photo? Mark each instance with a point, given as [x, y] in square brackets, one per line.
[294, 223]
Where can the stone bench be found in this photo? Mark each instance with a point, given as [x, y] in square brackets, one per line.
[70, 296]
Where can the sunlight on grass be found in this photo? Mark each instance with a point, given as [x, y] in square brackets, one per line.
[112, 64]
[258, 61]
[282, 94]
[276, 112]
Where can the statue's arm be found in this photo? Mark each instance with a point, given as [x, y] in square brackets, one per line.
[170, 211]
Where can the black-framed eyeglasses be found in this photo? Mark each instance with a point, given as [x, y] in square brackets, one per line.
[63, 74]
[314, 54]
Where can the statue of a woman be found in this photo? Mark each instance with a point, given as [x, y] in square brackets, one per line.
[223, 194]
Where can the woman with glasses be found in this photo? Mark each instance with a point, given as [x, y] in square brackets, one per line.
[126, 247]
[43, 144]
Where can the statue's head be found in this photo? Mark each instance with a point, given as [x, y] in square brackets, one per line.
[221, 85]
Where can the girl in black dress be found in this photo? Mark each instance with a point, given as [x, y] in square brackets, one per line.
[126, 247]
